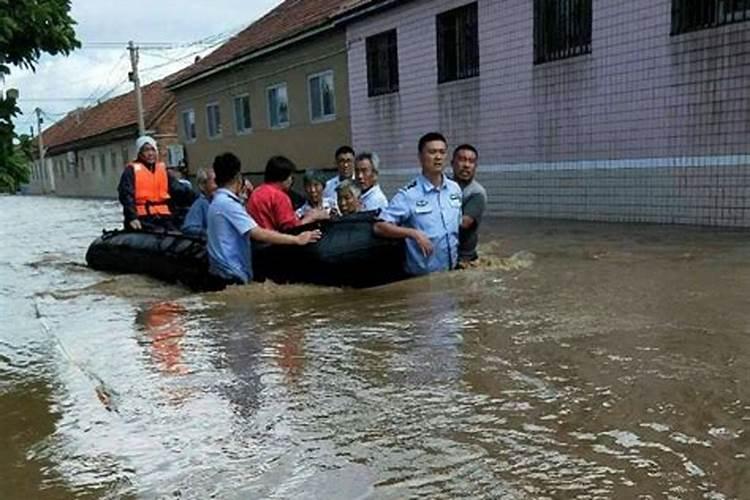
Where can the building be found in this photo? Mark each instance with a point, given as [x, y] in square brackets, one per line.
[86, 151]
[278, 87]
[582, 109]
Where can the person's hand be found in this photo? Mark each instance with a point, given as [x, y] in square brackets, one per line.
[319, 214]
[135, 225]
[247, 186]
[424, 242]
[309, 237]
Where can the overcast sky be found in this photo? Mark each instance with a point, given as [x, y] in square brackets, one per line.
[61, 84]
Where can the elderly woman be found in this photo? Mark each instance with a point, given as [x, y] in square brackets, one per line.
[366, 170]
[314, 184]
[348, 197]
[196, 220]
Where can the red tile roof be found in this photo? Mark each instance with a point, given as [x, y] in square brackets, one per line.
[116, 113]
[291, 18]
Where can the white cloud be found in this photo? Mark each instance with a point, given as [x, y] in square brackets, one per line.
[92, 73]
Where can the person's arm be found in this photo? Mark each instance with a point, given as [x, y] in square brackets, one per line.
[390, 218]
[473, 208]
[276, 238]
[126, 194]
[314, 215]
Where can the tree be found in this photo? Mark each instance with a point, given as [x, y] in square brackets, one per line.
[28, 28]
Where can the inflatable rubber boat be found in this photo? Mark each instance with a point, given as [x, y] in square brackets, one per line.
[348, 255]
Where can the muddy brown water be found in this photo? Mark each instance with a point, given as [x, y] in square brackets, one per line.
[602, 361]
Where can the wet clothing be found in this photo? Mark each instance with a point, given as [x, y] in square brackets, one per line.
[145, 190]
[436, 211]
[271, 207]
[229, 225]
[196, 220]
[474, 203]
[327, 204]
[373, 199]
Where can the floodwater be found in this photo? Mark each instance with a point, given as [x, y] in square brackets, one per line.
[602, 361]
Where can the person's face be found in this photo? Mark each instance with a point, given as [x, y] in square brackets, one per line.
[345, 164]
[314, 192]
[210, 186]
[464, 165]
[287, 184]
[365, 174]
[432, 157]
[348, 203]
[148, 154]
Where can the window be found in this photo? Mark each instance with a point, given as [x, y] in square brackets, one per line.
[458, 44]
[126, 159]
[322, 97]
[278, 106]
[213, 120]
[694, 15]
[242, 121]
[562, 29]
[382, 63]
[188, 125]
[113, 159]
[103, 163]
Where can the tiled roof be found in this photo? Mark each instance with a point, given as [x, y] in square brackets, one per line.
[116, 113]
[291, 18]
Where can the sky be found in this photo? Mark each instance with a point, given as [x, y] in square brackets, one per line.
[61, 84]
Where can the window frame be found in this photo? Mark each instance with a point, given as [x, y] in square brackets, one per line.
[188, 139]
[716, 15]
[373, 49]
[283, 125]
[547, 51]
[471, 58]
[220, 130]
[237, 129]
[323, 118]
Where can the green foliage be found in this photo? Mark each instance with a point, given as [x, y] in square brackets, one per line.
[28, 28]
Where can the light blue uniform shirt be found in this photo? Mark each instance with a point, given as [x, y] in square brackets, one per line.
[196, 220]
[434, 211]
[373, 199]
[228, 239]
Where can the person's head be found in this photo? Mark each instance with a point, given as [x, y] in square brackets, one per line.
[348, 197]
[146, 149]
[345, 162]
[314, 183]
[367, 169]
[280, 170]
[227, 171]
[464, 162]
[432, 152]
[206, 180]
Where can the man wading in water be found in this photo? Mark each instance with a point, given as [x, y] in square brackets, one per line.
[464, 163]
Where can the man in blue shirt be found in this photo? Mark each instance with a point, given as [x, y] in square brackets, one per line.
[427, 213]
[196, 220]
[345, 164]
[230, 228]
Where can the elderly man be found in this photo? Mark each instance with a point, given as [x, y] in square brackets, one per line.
[366, 171]
[196, 220]
[348, 196]
[426, 213]
[345, 164]
[464, 163]
[145, 190]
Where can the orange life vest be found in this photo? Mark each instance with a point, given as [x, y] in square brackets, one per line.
[151, 190]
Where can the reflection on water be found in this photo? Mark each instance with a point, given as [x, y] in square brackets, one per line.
[576, 361]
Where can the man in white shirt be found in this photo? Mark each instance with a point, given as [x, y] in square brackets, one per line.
[366, 170]
[345, 165]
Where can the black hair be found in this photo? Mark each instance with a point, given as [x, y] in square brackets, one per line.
[466, 147]
[429, 137]
[226, 168]
[279, 169]
[344, 150]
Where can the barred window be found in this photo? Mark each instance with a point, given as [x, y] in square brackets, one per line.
[458, 44]
[562, 29]
[382, 63]
[694, 15]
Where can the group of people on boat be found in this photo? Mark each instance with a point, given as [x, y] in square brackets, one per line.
[437, 215]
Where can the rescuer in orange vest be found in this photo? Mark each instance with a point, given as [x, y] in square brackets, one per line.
[146, 190]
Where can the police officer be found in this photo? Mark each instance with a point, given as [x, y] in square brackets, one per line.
[427, 213]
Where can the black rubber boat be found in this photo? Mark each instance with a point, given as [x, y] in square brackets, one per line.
[348, 255]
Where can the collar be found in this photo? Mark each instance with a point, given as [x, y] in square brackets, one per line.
[428, 186]
[373, 189]
[228, 193]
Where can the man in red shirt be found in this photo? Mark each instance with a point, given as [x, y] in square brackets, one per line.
[270, 205]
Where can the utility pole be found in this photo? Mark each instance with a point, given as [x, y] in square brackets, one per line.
[137, 84]
[40, 143]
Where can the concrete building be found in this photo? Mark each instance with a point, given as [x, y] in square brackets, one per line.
[278, 87]
[87, 150]
[582, 109]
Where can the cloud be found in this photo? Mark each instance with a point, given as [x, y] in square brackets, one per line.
[61, 84]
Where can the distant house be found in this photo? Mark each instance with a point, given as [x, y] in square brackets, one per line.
[87, 149]
[599, 110]
[278, 87]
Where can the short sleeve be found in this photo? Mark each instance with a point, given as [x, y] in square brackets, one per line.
[239, 218]
[397, 210]
[474, 206]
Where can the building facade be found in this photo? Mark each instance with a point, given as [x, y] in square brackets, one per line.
[582, 109]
